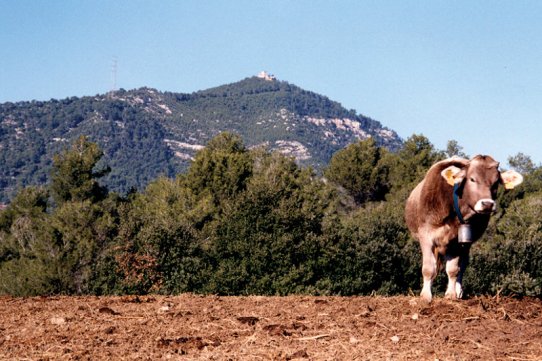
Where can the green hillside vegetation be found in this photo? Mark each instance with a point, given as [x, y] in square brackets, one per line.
[244, 221]
[145, 133]
[32, 132]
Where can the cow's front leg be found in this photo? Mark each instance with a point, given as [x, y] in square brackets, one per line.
[452, 270]
[429, 271]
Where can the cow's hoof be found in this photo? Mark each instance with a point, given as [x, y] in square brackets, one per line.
[458, 290]
[451, 295]
[426, 297]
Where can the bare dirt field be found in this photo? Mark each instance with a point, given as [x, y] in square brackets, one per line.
[191, 327]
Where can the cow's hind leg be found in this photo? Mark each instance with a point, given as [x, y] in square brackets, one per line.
[429, 271]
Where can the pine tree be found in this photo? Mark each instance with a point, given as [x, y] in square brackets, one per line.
[73, 176]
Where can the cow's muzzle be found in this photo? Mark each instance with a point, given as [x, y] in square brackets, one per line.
[485, 206]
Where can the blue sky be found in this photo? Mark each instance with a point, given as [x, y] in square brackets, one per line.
[464, 70]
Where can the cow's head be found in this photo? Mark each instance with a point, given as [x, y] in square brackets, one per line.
[478, 181]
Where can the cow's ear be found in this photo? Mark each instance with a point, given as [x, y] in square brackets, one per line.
[511, 178]
[451, 174]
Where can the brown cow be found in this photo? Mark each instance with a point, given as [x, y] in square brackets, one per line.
[434, 220]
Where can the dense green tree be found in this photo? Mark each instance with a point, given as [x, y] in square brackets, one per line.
[372, 252]
[409, 165]
[74, 176]
[267, 241]
[532, 182]
[521, 163]
[26, 245]
[454, 149]
[160, 247]
[359, 169]
[59, 250]
[222, 168]
[83, 236]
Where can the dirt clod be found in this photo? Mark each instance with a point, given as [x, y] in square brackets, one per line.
[57, 321]
[250, 320]
[108, 311]
[297, 355]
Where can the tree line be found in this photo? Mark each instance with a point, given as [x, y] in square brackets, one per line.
[248, 221]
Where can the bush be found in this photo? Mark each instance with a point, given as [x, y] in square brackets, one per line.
[249, 222]
[374, 253]
[267, 241]
[510, 262]
[159, 247]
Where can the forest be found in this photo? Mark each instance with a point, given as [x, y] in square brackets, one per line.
[141, 132]
[243, 221]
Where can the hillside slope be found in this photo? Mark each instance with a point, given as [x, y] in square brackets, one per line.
[146, 133]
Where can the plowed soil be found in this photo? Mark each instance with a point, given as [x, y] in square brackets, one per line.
[191, 327]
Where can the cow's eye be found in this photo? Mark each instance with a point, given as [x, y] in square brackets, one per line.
[472, 180]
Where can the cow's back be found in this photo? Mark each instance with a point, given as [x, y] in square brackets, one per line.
[412, 209]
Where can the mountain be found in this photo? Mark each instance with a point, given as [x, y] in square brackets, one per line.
[145, 133]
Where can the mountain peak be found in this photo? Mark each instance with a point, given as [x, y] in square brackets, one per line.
[146, 132]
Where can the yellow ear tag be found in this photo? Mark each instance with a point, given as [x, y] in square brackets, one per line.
[511, 179]
[448, 174]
